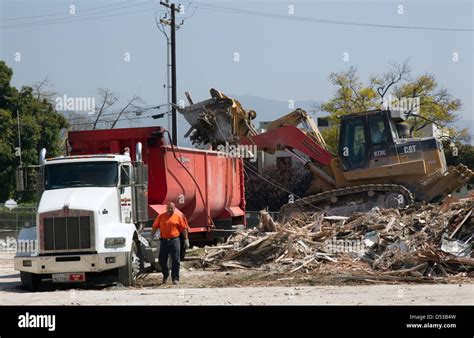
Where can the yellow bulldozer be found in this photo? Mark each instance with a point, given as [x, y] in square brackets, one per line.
[378, 162]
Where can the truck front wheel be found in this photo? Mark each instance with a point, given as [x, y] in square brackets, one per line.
[30, 281]
[127, 275]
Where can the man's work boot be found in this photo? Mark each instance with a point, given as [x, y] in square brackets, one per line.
[165, 280]
[175, 282]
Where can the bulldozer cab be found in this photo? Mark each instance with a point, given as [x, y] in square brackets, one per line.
[367, 139]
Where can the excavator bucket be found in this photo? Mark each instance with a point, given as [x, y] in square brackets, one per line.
[217, 120]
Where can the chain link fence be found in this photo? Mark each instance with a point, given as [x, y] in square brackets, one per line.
[13, 220]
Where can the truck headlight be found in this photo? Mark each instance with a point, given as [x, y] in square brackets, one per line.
[114, 242]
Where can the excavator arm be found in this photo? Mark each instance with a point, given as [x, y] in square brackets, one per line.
[222, 119]
[295, 118]
[289, 138]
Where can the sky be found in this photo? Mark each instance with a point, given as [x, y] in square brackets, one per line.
[240, 52]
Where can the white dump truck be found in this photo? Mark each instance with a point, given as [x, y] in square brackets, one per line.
[90, 213]
[96, 205]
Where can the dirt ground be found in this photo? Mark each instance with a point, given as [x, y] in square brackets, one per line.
[234, 287]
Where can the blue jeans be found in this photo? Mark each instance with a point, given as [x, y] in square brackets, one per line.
[170, 247]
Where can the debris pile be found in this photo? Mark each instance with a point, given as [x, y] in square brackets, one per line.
[423, 242]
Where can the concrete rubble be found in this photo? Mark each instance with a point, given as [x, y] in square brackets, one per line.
[422, 243]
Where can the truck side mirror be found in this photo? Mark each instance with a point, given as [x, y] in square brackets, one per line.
[20, 179]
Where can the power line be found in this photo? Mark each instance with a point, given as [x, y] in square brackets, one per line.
[192, 14]
[20, 18]
[292, 17]
[217, 8]
[134, 118]
[167, 68]
[131, 111]
[63, 20]
[269, 180]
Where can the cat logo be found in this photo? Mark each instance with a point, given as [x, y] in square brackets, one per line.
[409, 149]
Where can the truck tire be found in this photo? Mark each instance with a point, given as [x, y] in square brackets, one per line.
[30, 281]
[127, 275]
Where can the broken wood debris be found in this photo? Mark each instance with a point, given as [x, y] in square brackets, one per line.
[380, 245]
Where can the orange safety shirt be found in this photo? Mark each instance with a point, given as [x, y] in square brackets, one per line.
[170, 226]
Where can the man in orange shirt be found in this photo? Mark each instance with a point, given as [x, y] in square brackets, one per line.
[171, 224]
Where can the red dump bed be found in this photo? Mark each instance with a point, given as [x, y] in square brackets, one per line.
[213, 212]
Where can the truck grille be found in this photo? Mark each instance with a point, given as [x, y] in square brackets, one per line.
[67, 233]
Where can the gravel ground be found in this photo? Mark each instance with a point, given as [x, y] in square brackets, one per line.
[212, 288]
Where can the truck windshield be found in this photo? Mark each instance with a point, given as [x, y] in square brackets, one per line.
[81, 174]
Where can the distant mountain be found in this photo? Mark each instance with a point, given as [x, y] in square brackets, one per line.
[267, 110]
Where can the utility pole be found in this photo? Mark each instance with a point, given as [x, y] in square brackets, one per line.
[174, 93]
[168, 79]
[19, 135]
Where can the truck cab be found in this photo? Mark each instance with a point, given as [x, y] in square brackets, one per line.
[88, 220]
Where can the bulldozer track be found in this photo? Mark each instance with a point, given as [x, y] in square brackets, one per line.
[314, 201]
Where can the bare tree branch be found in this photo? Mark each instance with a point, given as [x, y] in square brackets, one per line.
[131, 104]
[40, 90]
[399, 72]
[108, 100]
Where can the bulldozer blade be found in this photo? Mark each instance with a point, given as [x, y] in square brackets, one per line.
[439, 184]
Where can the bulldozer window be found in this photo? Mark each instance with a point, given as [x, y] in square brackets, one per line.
[355, 142]
[378, 132]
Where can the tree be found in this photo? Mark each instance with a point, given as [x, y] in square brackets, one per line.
[106, 115]
[131, 106]
[460, 153]
[108, 99]
[40, 127]
[41, 91]
[436, 104]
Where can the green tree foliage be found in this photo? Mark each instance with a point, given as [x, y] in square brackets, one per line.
[353, 95]
[40, 127]
[460, 153]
